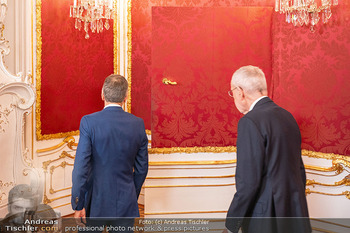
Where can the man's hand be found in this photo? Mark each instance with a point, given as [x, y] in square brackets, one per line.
[80, 217]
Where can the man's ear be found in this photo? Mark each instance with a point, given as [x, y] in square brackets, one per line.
[102, 96]
[241, 93]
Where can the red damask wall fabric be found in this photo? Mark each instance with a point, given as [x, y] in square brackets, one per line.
[73, 69]
[311, 80]
[310, 71]
[199, 48]
[141, 69]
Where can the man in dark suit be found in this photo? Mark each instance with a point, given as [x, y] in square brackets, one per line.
[111, 162]
[270, 174]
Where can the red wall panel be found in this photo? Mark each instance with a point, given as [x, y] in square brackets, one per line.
[311, 80]
[309, 77]
[141, 17]
[199, 47]
[72, 70]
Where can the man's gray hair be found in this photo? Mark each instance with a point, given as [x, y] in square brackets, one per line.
[251, 79]
[115, 88]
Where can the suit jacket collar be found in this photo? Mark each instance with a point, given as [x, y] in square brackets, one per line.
[262, 102]
[113, 108]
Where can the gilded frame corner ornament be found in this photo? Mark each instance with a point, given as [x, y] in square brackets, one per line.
[39, 135]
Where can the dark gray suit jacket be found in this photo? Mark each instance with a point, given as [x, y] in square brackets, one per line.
[270, 174]
[111, 164]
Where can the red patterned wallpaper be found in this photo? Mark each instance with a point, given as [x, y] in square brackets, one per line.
[73, 69]
[311, 80]
[198, 47]
[141, 14]
[310, 71]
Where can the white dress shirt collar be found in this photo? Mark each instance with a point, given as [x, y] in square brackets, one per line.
[112, 105]
[254, 103]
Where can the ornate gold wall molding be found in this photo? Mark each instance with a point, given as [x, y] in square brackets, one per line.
[48, 200]
[204, 162]
[52, 169]
[345, 193]
[63, 164]
[129, 36]
[69, 141]
[2, 184]
[189, 150]
[2, 195]
[337, 164]
[345, 181]
[63, 155]
[337, 168]
[321, 230]
[59, 206]
[315, 154]
[331, 223]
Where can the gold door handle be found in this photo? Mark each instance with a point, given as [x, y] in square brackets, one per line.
[168, 82]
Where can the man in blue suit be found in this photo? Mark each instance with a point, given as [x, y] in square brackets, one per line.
[111, 162]
[270, 174]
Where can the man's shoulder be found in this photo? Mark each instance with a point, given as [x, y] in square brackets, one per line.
[92, 115]
[133, 117]
[268, 113]
[101, 114]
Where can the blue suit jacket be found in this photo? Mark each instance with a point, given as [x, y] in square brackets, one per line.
[111, 164]
[270, 174]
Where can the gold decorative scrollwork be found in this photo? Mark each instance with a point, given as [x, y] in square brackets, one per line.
[69, 141]
[3, 116]
[331, 156]
[2, 184]
[345, 193]
[8, 184]
[64, 154]
[63, 164]
[345, 181]
[336, 167]
[2, 195]
[47, 200]
[192, 150]
[52, 169]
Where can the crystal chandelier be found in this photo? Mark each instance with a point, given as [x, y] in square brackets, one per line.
[306, 12]
[92, 14]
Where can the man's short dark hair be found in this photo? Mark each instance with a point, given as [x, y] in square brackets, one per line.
[115, 88]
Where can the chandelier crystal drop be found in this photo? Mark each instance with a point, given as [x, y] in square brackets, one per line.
[93, 15]
[306, 12]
